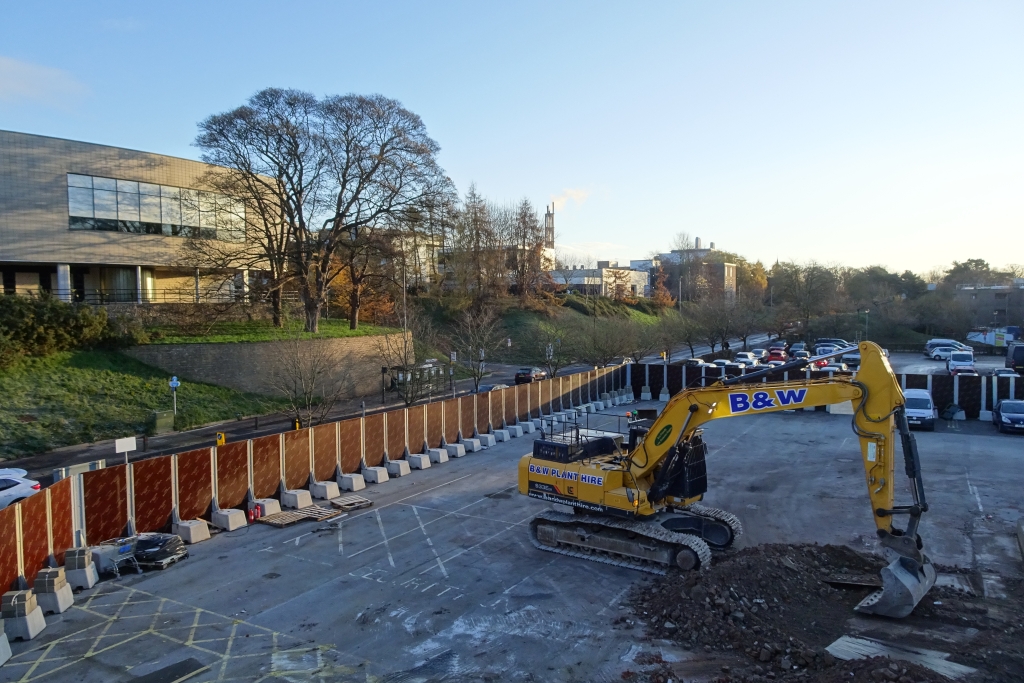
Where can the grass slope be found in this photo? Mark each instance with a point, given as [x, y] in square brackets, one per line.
[84, 396]
[259, 331]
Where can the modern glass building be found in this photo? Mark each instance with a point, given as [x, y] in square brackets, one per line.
[101, 224]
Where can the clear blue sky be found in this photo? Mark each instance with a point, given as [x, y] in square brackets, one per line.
[861, 133]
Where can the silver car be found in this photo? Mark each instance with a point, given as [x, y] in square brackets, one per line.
[15, 487]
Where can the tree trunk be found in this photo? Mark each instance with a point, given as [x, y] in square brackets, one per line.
[353, 308]
[312, 310]
[275, 308]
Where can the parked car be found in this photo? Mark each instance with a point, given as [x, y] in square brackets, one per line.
[694, 362]
[1015, 356]
[920, 409]
[15, 486]
[1005, 372]
[721, 362]
[960, 362]
[1008, 415]
[831, 365]
[775, 363]
[760, 354]
[852, 359]
[942, 352]
[746, 358]
[935, 343]
[778, 355]
[832, 341]
[800, 355]
[823, 349]
[484, 388]
[797, 346]
[527, 375]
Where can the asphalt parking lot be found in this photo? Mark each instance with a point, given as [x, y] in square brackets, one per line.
[438, 580]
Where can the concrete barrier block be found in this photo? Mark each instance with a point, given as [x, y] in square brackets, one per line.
[296, 499]
[57, 602]
[843, 408]
[80, 579]
[192, 530]
[418, 461]
[501, 435]
[5, 648]
[438, 455]
[515, 431]
[599, 406]
[471, 445]
[398, 468]
[375, 475]
[605, 397]
[28, 626]
[985, 415]
[487, 440]
[352, 482]
[645, 393]
[664, 395]
[324, 490]
[536, 422]
[961, 415]
[268, 506]
[587, 408]
[229, 520]
[528, 427]
[455, 450]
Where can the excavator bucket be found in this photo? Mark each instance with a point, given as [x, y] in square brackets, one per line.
[904, 582]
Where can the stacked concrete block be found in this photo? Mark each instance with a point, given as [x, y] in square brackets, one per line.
[352, 482]
[268, 506]
[398, 468]
[52, 591]
[420, 462]
[80, 570]
[192, 530]
[22, 615]
[515, 431]
[455, 450]
[501, 435]
[527, 427]
[296, 499]
[471, 445]
[537, 423]
[437, 455]
[645, 393]
[230, 519]
[375, 475]
[487, 440]
[324, 490]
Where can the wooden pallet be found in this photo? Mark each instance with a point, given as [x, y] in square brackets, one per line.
[350, 503]
[289, 517]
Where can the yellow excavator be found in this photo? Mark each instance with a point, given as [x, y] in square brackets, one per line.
[638, 504]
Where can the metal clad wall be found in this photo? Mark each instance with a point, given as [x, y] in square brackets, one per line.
[417, 424]
[60, 518]
[154, 501]
[373, 439]
[106, 505]
[195, 484]
[232, 474]
[296, 459]
[8, 547]
[467, 409]
[351, 445]
[435, 424]
[396, 434]
[266, 466]
[451, 420]
[35, 542]
[325, 451]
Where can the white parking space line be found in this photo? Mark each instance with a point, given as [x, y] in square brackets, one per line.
[386, 545]
[459, 514]
[430, 543]
[477, 545]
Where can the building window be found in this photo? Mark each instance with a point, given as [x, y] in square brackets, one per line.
[107, 204]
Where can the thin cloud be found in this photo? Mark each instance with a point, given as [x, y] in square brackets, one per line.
[577, 196]
[23, 82]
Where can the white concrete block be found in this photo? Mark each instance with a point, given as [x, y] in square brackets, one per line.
[296, 499]
[664, 395]
[5, 648]
[375, 475]
[528, 427]
[192, 530]
[515, 431]
[27, 627]
[570, 413]
[985, 415]
[229, 520]
[398, 468]
[961, 415]
[487, 440]
[268, 506]
[471, 445]
[598, 406]
[587, 408]
[56, 603]
[438, 455]
[605, 397]
[87, 578]
[419, 462]
[843, 408]
[536, 422]
[502, 435]
[455, 450]
[352, 482]
[645, 393]
[324, 489]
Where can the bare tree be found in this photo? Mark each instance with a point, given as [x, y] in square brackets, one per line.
[749, 315]
[310, 374]
[401, 350]
[526, 250]
[476, 336]
[565, 269]
[551, 344]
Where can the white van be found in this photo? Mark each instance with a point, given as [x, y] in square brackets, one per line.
[960, 361]
[920, 409]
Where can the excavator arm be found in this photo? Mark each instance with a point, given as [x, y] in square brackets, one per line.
[662, 478]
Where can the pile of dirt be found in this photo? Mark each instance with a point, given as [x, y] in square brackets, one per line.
[771, 609]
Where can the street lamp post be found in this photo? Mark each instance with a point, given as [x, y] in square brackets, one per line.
[866, 312]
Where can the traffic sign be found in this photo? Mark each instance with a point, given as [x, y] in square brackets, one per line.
[174, 383]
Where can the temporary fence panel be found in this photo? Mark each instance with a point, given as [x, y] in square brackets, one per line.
[296, 459]
[917, 381]
[435, 423]
[106, 503]
[675, 379]
[535, 400]
[656, 373]
[467, 412]
[232, 474]
[266, 466]
[942, 391]
[325, 451]
[451, 420]
[35, 540]
[417, 428]
[486, 405]
[195, 483]
[523, 402]
[396, 434]
[153, 492]
[373, 440]
[969, 396]
[508, 402]
[61, 518]
[9, 557]
[350, 433]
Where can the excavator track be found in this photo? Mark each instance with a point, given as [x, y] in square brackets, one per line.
[731, 520]
[581, 536]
